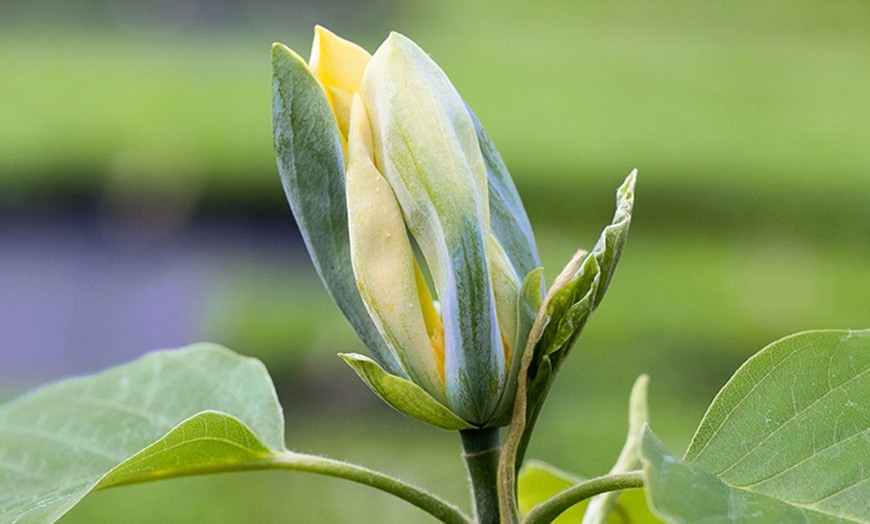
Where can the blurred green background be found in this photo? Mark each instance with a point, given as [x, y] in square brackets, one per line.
[749, 123]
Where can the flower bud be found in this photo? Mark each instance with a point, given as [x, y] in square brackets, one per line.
[420, 171]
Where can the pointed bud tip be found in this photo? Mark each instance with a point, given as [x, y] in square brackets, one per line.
[322, 33]
[282, 52]
[630, 180]
[400, 42]
[626, 190]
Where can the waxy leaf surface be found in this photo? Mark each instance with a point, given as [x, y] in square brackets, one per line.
[786, 440]
[195, 410]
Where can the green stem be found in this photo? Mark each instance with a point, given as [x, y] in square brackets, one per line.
[547, 511]
[438, 508]
[481, 451]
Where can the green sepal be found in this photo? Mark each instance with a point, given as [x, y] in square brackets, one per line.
[529, 302]
[508, 219]
[311, 164]
[403, 395]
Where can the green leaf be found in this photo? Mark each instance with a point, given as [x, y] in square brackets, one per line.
[574, 295]
[168, 414]
[209, 442]
[609, 247]
[571, 307]
[632, 508]
[403, 395]
[573, 303]
[682, 492]
[311, 164]
[787, 437]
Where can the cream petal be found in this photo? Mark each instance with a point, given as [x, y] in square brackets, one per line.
[383, 260]
[426, 146]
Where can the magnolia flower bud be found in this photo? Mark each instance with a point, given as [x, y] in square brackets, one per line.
[419, 170]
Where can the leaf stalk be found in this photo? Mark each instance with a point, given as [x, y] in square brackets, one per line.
[547, 511]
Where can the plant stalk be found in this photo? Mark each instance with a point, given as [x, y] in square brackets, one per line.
[481, 451]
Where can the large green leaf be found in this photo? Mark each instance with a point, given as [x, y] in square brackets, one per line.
[682, 492]
[787, 438]
[171, 413]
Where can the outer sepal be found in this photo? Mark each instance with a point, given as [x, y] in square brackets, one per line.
[403, 395]
[310, 155]
[508, 218]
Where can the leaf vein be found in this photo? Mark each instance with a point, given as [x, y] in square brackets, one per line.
[746, 396]
[76, 446]
[791, 419]
[808, 457]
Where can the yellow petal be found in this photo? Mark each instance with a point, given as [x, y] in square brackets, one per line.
[432, 320]
[383, 260]
[341, 101]
[339, 64]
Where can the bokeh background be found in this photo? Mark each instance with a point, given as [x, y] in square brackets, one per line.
[140, 208]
